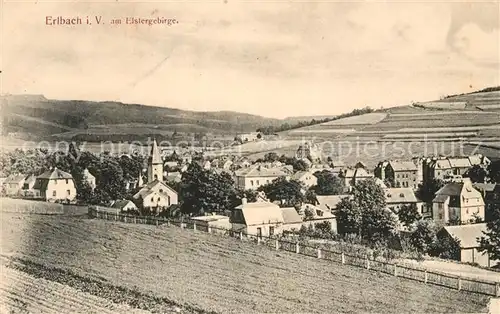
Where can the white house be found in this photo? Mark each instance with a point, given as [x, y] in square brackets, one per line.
[13, 185]
[217, 223]
[257, 176]
[89, 178]
[28, 187]
[291, 219]
[306, 177]
[156, 195]
[260, 218]
[56, 185]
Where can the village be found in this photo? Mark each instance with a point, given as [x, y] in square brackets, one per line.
[288, 195]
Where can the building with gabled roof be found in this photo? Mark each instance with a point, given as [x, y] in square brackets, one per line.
[468, 245]
[306, 177]
[28, 190]
[352, 176]
[291, 219]
[56, 186]
[458, 201]
[254, 177]
[89, 178]
[259, 218]
[125, 206]
[13, 184]
[156, 196]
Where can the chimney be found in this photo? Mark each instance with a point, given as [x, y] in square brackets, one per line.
[243, 201]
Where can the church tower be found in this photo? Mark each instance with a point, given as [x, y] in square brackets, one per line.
[155, 164]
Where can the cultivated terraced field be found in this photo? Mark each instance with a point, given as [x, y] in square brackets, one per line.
[204, 272]
[23, 293]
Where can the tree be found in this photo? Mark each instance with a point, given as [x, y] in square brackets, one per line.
[445, 247]
[408, 214]
[328, 183]
[491, 241]
[494, 171]
[310, 197]
[365, 213]
[288, 192]
[271, 157]
[427, 190]
[423, 236]
[477, 174]
[206, 191]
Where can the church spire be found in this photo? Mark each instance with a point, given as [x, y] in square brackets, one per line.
[155, 156]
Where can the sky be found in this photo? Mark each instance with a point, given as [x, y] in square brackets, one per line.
[275, 58]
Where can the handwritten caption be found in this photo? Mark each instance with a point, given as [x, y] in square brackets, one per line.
[98, 20]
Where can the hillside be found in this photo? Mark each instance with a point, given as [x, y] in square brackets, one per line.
[212, 273]
[34, 115]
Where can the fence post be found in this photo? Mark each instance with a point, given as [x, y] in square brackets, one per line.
[258, 240]
[194, 226]
[125, 218]
[208, 229]
[395, 270]
[156, 222]
[497, 286]
[459, 284]
[277, 244]
[241, 235]
[135, 220]
[297, 248]
[426, 276]
[319, 252]
[182, 225]
[343, 258]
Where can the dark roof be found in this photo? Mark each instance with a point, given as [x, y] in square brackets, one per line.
[55, 174]
[120, 204]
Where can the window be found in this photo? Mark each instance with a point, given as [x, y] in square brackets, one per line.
[251, 182]
[68, 192]
[152, 199]
[55, 181]
[467, 211]
[440, 216]
[159, 199]
[67, 182]
[259, 232]
[54, 194]
[161, 190]
[258, 182]
[267, 181]
[271, 231]
[401, 195]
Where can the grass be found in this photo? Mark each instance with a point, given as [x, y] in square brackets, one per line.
[10, 205]
[215, 273]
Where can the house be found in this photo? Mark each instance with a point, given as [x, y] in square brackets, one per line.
[468, 247]
[89, 178]
[491, 197]
[306, 177]
[28, 191]
[330, 202]
[248, 137]
[259, 218]
[314, 215]
[124, 206]
[171, 165]
[460, 165]
[458, 201]
[445, 167]
[351, 176]
[402, 174]
[396, 198]
[291, 219]
[56, 186]
[217, 223]
[254, 177]
[14, 185]
[173, 177]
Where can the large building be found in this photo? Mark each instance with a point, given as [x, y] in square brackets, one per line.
[444, 168]
[458, 202]
[401, 174]
[155, 195]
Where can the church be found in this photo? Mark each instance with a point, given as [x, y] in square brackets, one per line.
[155, 194]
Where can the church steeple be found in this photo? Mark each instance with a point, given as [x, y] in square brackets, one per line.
[155, 164]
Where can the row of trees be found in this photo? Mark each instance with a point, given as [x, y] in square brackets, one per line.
[290, 126]
[479, 174]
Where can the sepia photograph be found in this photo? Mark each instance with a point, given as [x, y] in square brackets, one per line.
[249, 156]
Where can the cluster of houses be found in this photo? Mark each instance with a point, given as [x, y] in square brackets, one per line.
[459, 200]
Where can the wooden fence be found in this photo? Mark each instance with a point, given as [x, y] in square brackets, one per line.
[485, 287]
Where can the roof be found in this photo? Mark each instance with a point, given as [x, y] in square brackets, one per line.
[467, 234]
[261, 213]
[14, 179]
[455, 189]
[210, 218]
[87, 174]
[400, 195]
[451, 189]
[55, 174]
[403, 166]
[476, 159]
[260, 171]
[460, 162]
[147, 189]
[174, 176]
[121, 204]
[155, 156]
[300, 174]
[442, 164]
[290, 215]
[329, 202]
[485, 187]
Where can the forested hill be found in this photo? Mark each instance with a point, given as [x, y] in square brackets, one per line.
[34, 114]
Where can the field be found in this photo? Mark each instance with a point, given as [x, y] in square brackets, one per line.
[204, 272]
[26, 206]
[22, 293]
